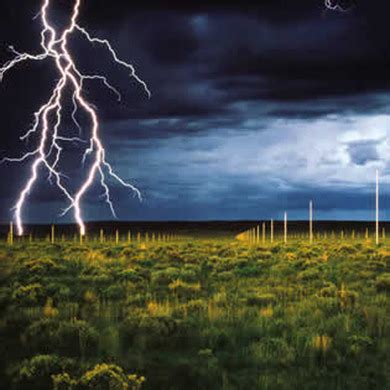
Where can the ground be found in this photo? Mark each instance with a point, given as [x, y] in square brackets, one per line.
[211, 313]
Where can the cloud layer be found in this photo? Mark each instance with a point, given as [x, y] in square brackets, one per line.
[255, 109]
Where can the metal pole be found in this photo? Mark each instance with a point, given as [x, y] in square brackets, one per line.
[311, 222]
[263, 233]
[11, 233]
[377, 209]
[285, 227]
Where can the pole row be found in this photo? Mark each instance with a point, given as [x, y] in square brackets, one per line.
[102, 237]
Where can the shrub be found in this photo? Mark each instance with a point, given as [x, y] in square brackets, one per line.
[359, 343]
[382, 282]
[129, 275]
[114, 292]
[36, 373]
[182, 288]
[31, 294]
[49, 310]
[194, 306]
[328, 291]
[249, 270]
[165, 276]
[63, 381]
[69, 338]
[261, 299]
[267, 312]
[271, 352]
[110, 377]
[146, 331]
[308, 274]
[59, 291]
[90, 296]
[41, 267]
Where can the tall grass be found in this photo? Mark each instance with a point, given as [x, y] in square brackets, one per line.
[197, 315]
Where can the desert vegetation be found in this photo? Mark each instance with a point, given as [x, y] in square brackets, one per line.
[203, 314]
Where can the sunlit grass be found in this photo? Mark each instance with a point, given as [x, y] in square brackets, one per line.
[196, 313]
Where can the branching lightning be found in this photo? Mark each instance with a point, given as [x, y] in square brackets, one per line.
[336, 5]
[48, 118]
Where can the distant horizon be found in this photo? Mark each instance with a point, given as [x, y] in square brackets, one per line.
[250, 114]
[199, 221]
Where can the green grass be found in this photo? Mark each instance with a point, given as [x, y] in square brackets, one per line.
[210, 314]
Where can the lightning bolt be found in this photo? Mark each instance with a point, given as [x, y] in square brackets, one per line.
[48, 118]
[334, 5]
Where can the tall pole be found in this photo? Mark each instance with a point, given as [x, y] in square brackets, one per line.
[53, 237]
[311, 221]
[272, 231]
[263, 233]
[377, 209]
[11, 233]
[285, 227]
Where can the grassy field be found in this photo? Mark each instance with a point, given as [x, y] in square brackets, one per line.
[195, 314]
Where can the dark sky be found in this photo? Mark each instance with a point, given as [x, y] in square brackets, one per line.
[255, 108]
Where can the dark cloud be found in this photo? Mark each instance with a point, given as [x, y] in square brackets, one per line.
[199, 59]
[213, 69]
[363, 152]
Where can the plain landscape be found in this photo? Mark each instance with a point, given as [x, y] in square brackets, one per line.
[168, 310]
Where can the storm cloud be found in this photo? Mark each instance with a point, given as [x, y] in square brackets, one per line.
[255, 108]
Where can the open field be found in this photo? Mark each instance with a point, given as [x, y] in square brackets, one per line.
[197, 229]
[210, 313]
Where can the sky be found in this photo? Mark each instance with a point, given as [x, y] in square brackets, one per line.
[256, 108]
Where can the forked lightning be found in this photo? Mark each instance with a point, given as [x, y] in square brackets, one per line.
[334, 5]
[48, 118]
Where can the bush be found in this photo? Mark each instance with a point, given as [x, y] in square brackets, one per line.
[308, 274]
[260, 299]
[382, 282]
[63, 381]
[36, 373]
[76, 338]
[114, 292]
[146, 331]
[165, 276]
[249, 270]
[184, 289]
[32, 294]
[272, 351]
[328, 291]
[110, 377]
[205, 315]
[41, 267]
